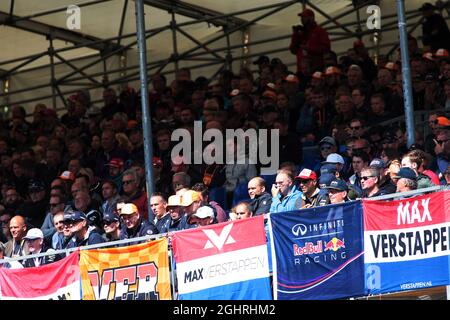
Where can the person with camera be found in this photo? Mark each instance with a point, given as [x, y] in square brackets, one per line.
[309, 42]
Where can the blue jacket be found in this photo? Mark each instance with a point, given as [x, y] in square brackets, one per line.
[144, 228]
[290, 202]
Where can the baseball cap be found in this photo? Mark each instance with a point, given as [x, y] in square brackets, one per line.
[307, 174]
[261, 59]
[332, 70]
[325, 179]
[269, 94]
[128, 208]
[110, 217]
[35, 185]
[406, 173]
[67, 175]
[441, 53]
[377, 163]
[306, 13]
[443, 121]
[334, 158]
[73, 216]
[116, 162]
[328, 168]
[291, 78]
[204, 212]
[174, 201]
[337, 184]
[329, 140]
[33, 234]
[189, 197]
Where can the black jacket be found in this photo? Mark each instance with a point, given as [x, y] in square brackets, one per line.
[144, 228]
[261, 204]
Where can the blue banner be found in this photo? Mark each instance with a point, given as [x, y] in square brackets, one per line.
[319, 252]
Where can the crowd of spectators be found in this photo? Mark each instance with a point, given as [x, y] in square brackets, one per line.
[78, 178]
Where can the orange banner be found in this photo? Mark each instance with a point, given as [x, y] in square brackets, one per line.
[138, 272]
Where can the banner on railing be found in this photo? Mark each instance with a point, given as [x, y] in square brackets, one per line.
[318, 252]
[407, 243]
[56, 281]
[138, 272]
[226, 261]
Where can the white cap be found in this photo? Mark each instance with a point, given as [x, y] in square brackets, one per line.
[33, 234]
[335, 158]
[204, 212]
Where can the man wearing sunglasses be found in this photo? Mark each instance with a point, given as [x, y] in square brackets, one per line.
[311, 195]
[370, 179]
[327, 146]
[285, 195]
[111, 225]
[79, 227]
[134, 225]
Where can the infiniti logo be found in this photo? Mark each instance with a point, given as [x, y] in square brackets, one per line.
[299, 228]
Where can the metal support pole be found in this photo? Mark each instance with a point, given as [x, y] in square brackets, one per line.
[173, 27]
[406, 78]
[52, 71]
[229, 56]
[146, 118]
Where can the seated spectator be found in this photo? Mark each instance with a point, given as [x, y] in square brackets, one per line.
[285, 196]
[111, 196]
[260, 199]
[15, 246]
[327, 146]
[35, 244]
[190, 201]
[337, 191]
[242, 210]
[111, 226]
[311, 196]
[386, 184]
[406, 180]
[370, 178]
[34, 211]
[132, 193]
[134, 225]
[360, 161]
[58, 236]
[158, 205]
[413, 160]
[219, 213]
[175, 209]
[180, 180]
[203, 216]
[82, 234]
[56, 204]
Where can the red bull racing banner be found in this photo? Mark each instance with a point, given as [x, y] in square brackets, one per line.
[138, 272]
[226, 261]
[407, 243]
[318, 252]
[55, 281]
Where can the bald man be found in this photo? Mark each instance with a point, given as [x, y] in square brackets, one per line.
[18, 229]
[261, 200]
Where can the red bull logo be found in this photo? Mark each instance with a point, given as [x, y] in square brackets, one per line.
[334, 244]
[309, 248]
